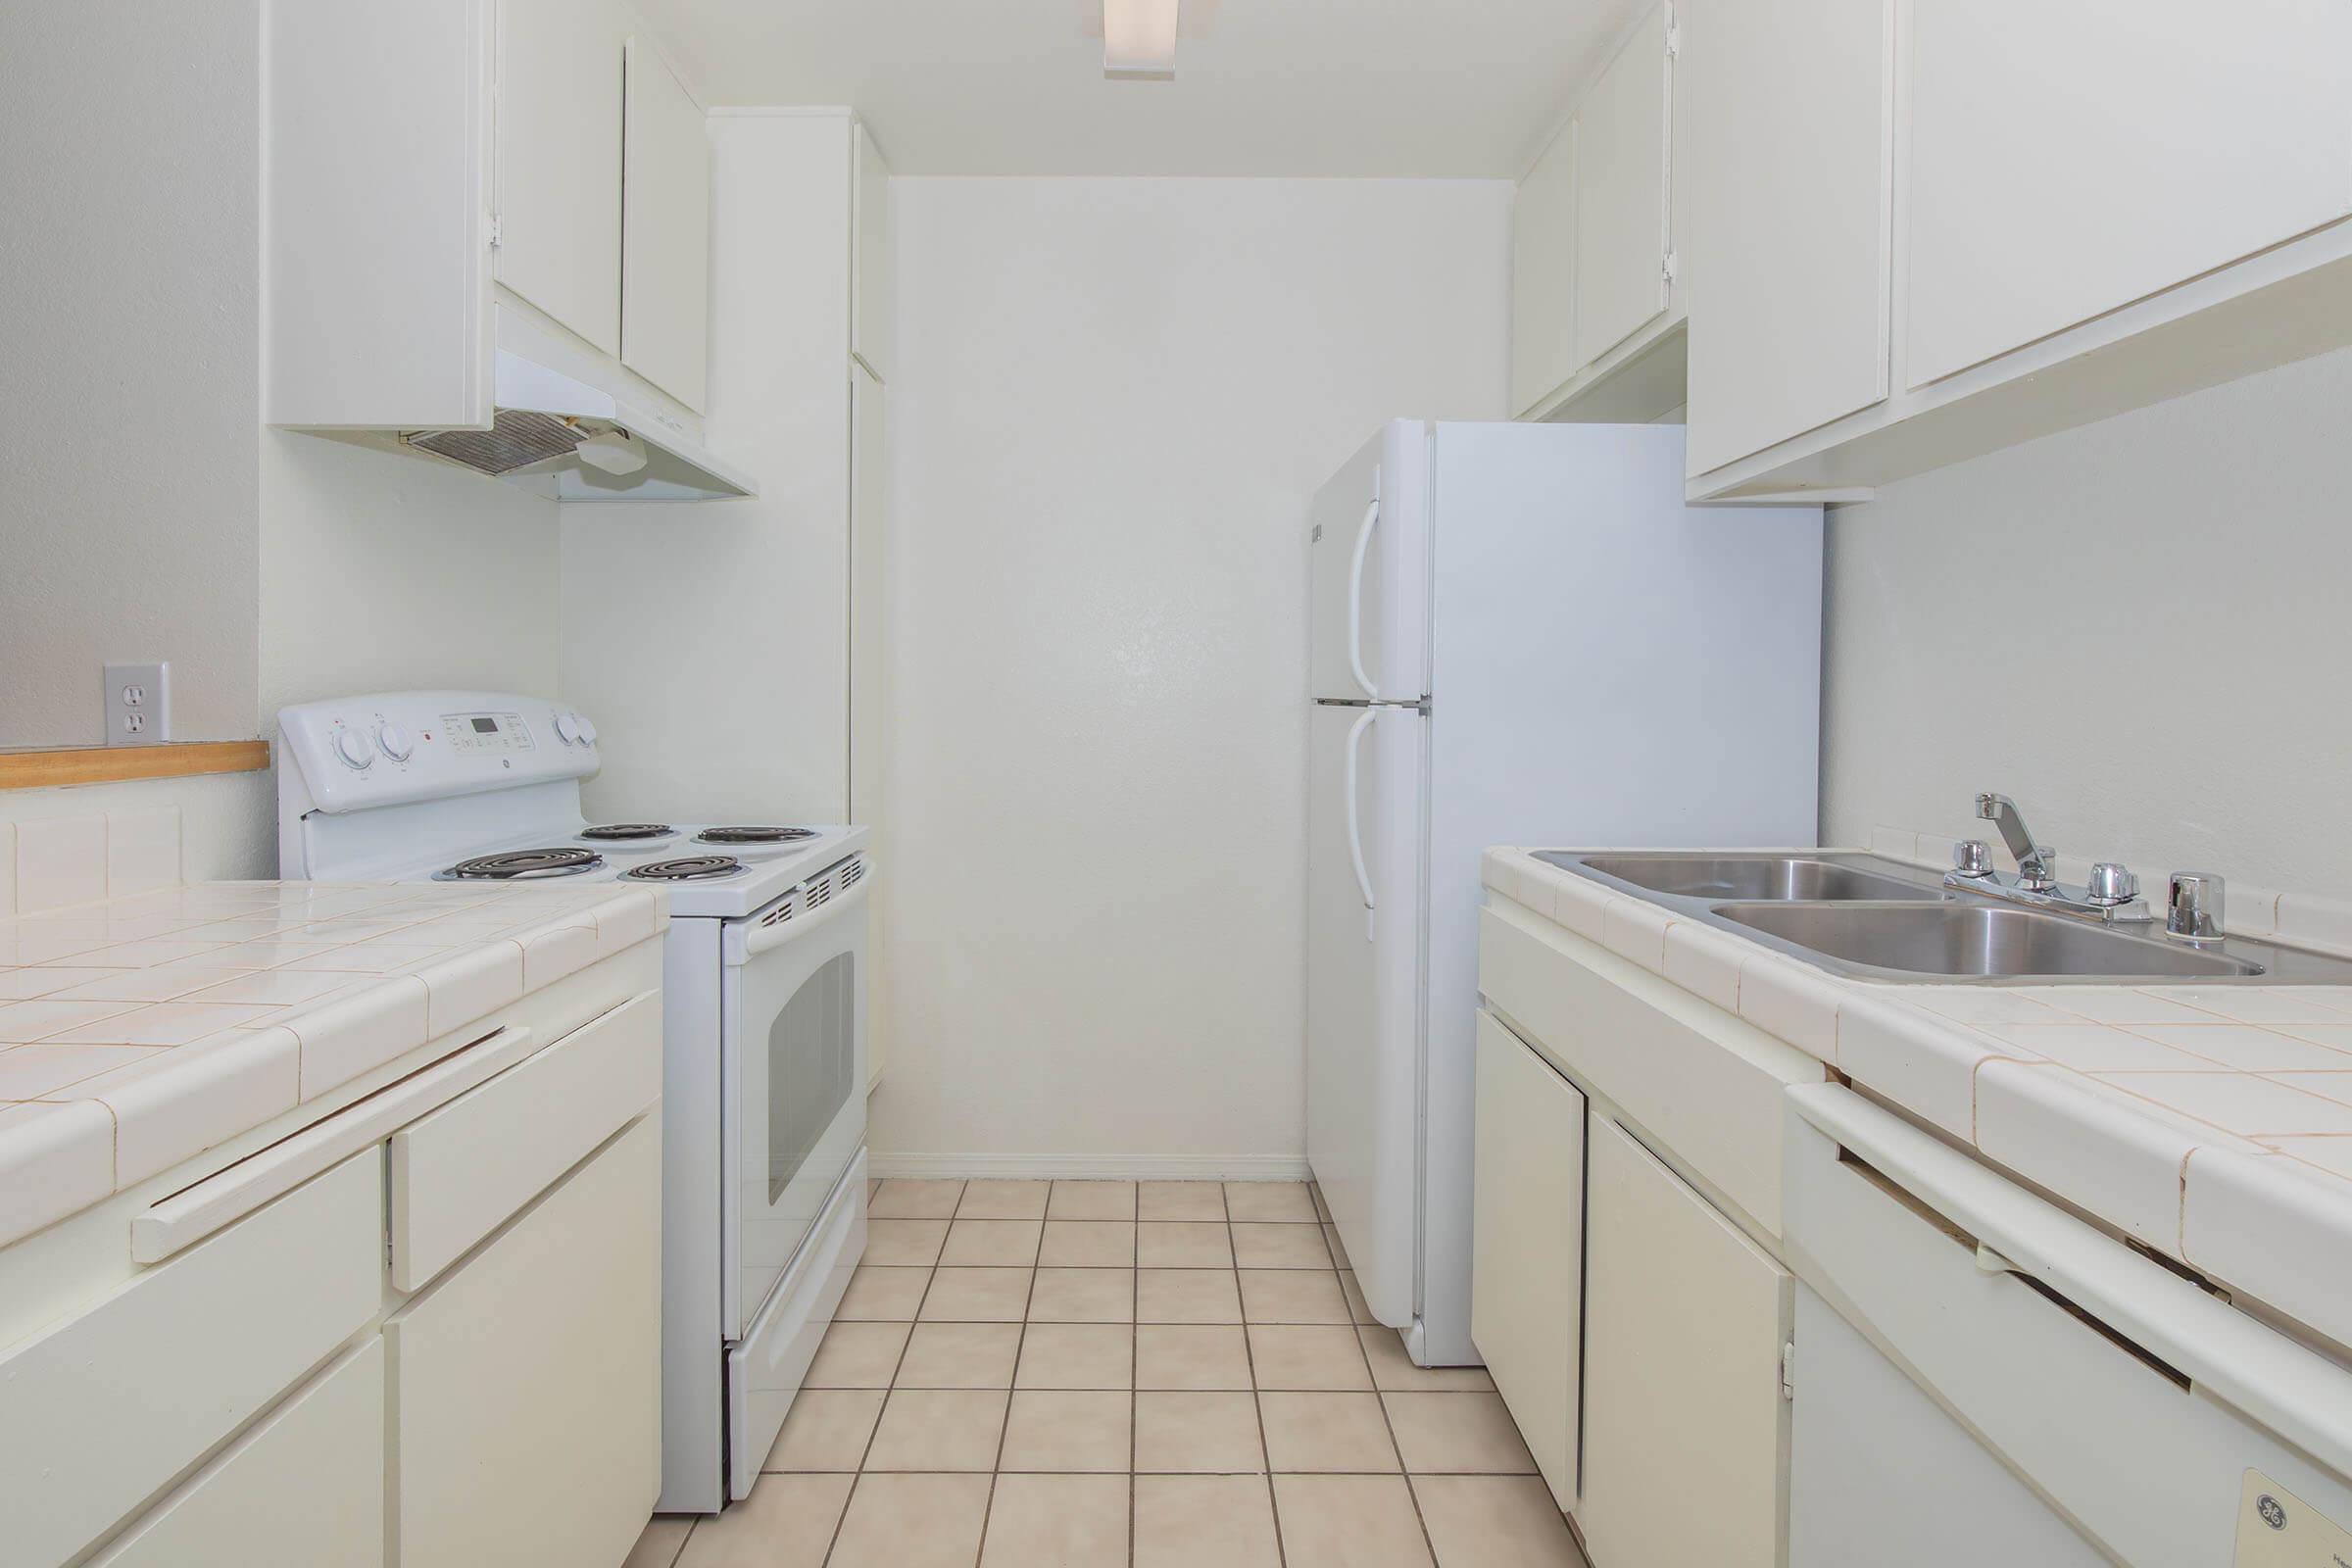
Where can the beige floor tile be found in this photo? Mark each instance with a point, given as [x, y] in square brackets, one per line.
[1357, 1307]
[905, 1243]
[902, 1197]
[1326, 1431]
[1270, 1202]
[1083, 1295]
[912, 1522]
[1494, 1522]
[856, 1356]
[1208, 1434]
[787, 1522]
[1057, 1522]
[1077, 1356]
[939, 1429]
[663, 1539]
[1192, 1355]
[1344, 1522]
[1183, 1244]
[826, 1429]
[1278, 1246]
[1339, 1253]
[990, 1244]
[1068, 1430]
[883, 1295]
[1205, 1522]
[1185, 1295]
[1457, 1433]
[1313, 1357]
[977, 1296]
[1180, 1200]
[1004, 1199]
[1392, 1368]
[960, 1355]
[1293, 1296]
[1088, 1244]
[1091, 1201]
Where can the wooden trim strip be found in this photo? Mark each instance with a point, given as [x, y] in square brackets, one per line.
[105, 765]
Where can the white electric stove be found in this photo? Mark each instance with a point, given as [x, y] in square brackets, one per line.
[764, 1016]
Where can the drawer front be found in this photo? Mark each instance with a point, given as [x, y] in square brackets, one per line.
[463, 1171]
[103, 1411]
[307, 1483]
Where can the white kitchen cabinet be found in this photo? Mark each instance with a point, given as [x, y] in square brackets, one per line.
[870, 272]
[665, 231]
[1621, 268]
[1685, 1430]
[525, 1383]
[1792, 135]
[870, 671]
[559, 160]
[312, 1469]
[2065, 160]
[1544, 274]
[1528, 1244]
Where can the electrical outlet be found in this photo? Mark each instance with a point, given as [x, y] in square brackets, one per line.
[138, 703]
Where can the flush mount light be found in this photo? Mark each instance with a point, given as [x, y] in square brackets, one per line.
[1139, 39]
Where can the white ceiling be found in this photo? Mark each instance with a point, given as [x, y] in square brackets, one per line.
[1331, 87]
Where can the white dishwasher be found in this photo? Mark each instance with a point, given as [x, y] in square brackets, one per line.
[1982, 1378]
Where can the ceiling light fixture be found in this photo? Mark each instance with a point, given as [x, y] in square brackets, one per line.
[1139, 39]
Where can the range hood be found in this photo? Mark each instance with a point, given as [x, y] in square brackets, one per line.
[594, 441]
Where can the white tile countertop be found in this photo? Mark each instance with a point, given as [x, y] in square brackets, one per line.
[137, 1031]
[2210, 1123]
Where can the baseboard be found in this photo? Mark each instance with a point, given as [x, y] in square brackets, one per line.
[1095, 1168]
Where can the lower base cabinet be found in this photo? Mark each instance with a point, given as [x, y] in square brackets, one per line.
[1685, 1430]
[526, 1382]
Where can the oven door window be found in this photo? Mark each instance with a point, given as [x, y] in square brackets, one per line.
[811, 1069]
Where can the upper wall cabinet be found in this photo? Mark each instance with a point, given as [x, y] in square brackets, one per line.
[869, 280]
[665, 234]
[1622, 261]
[559, 152]
[2065, 160]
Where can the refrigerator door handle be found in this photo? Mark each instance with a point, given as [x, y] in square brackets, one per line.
[1355, 836]
[1355, 610]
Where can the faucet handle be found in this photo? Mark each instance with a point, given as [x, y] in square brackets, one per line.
[2113, 884]
[2193, 906]
[1973, 857]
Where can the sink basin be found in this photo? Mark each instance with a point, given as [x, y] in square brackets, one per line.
[1783, 877]
[1909, 940]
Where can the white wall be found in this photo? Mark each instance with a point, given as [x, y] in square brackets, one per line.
[1114, 400]
[2137, 628]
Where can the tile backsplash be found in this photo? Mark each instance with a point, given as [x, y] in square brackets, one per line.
[52, 863]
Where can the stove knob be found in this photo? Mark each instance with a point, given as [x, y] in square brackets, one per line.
[355, 748]
[567, 729]
[587, 730]
[398, 744]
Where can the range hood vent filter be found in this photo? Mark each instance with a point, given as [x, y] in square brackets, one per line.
[516, 439]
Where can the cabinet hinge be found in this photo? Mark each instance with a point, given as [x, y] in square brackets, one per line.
[1673, 34]
[1666, 267]
[1788, 1369]
[494, 232]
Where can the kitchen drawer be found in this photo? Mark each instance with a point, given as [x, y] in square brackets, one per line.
[461, 1172]
[103, 1411]
[305, 1486]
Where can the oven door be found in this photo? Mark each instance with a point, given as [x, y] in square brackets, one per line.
[793, 1046]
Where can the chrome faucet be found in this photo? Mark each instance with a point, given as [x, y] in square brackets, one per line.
[2111, 896]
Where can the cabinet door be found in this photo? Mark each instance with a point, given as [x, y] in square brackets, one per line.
[526, 1383]
[305, 1484]
[870, 684]
[559, 160]
[1685, 1432]
[1621, 195]
[869, 274]
[1528, 1244]
[2065, 160]
[1790, 158]
[1544, 274]
[665, 232]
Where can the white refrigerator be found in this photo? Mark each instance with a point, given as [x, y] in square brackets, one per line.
[1520, 634]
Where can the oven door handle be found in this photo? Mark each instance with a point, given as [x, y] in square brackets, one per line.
[759, 939]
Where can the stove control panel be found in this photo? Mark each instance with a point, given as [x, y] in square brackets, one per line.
[393, 748]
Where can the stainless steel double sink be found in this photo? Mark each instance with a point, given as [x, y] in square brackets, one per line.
[1873, 918]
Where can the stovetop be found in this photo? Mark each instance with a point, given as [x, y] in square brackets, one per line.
[713, 871]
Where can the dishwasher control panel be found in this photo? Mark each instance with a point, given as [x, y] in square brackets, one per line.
[2275, 1529]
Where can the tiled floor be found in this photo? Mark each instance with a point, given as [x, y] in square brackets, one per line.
[1154, 1375]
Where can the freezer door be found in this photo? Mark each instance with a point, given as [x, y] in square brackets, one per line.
[1368, 544]
[1363, 991]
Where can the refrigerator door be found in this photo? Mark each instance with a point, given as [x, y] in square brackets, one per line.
[1368, 612]
[1366, 778]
